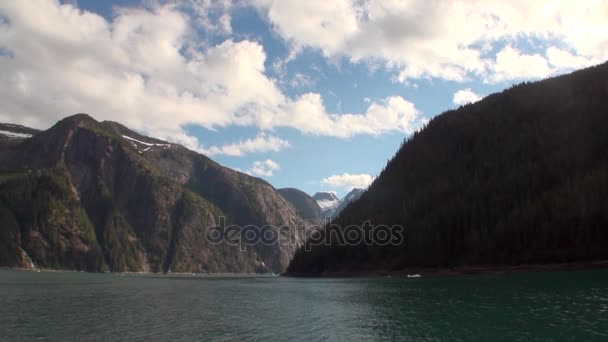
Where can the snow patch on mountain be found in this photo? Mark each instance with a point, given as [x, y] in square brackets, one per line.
[135, 143]
[15, 135]
[326, 205]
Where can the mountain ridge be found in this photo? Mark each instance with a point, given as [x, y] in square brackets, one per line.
[129, 203]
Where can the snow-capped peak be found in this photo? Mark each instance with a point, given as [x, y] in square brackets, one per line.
[325, 196]
[331, 205]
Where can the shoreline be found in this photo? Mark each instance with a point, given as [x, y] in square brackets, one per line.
[180, 274]
[458, 270]
[403, 273]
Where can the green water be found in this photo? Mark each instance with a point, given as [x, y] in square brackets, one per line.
[69, 306]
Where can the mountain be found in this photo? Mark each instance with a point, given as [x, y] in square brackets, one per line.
[325, 196]
[306, 205]
[327, 201]
[331, 205]
[519, 177]
[97, 196]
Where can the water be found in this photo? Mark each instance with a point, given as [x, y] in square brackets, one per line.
[69, 306]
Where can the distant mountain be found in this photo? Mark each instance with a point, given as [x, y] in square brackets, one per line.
[519, 177]
[328, 202]
[331, 205]
[306, 205]
[325, 196]
[11, 133]
[97, 196]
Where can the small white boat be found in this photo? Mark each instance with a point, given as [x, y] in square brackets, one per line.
[413, 276]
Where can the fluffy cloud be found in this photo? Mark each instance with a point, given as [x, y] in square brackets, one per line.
[564, 59]
[348, 181]
[264, 168]
[512, 64]
[465, 96]
[392, 113]
[451, 40]
[326, 23]
[147, 69]
[261, 143]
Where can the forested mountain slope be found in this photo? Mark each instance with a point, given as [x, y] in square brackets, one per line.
[97, 196]
[519, 177]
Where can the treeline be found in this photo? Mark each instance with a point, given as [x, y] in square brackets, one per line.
[519, 177]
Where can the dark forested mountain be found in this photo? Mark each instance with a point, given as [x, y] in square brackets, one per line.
[97, 196]
[306, 205]
[519, 177]
[350, 197]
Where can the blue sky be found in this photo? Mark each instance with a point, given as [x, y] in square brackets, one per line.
[316, 95]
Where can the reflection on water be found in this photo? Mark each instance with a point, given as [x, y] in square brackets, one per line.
[568, 306]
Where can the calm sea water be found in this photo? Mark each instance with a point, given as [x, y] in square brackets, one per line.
[69, 306]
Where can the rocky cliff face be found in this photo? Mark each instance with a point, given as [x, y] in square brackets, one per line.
[97, 196]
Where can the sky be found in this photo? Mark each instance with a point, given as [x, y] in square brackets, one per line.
[315, 94]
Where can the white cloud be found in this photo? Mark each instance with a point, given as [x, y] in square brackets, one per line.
[392, 113]
[451, 40]
[264, 168]
[326, 23]
[147, 69]
[261, 143]
[511, 64]
[348, 181]
[465, 96]
[564, 59]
